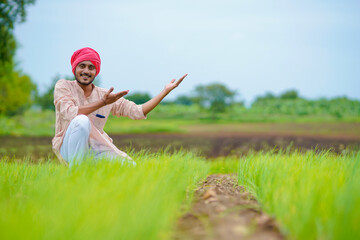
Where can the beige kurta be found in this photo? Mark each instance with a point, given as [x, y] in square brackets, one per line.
[68, 96]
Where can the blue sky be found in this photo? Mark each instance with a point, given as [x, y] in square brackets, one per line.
[251, 46]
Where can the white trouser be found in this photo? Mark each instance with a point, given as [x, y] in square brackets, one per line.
[76, 141]
[75, 146]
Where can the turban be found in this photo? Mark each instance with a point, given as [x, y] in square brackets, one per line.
[86, 54]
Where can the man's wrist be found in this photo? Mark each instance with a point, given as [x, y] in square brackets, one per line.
[166, 91]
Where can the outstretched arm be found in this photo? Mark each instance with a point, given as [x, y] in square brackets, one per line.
[152, 103]
[108, 98]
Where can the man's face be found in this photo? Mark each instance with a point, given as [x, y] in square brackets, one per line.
[85, 73]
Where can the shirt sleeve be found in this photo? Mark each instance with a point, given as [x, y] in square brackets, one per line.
[126, 108]
[64, 101]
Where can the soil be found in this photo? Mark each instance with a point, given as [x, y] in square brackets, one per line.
[224, 210]
[210, 145]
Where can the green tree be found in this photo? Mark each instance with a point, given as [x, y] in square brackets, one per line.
[17, 89]
[11, 12]
[138, 97]
[268, 96]
[184, 100]
[214, 97]
[290, 94]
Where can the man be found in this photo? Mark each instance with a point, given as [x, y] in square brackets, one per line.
[83, 108]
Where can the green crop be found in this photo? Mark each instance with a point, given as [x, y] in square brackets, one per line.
[312, 195]
[104, 200]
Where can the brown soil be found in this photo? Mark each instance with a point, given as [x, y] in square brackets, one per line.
[223, 210]
[326, 129]
[210, 145]
[213, 145]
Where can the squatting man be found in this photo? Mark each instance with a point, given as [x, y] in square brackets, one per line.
[83, 108]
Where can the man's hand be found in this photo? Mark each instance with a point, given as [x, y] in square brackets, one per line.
[173, 84]
[110, 97]
[152, 103]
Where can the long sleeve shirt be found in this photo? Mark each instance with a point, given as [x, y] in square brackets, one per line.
[69, 96]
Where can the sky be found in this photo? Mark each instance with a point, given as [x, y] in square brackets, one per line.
[251, 46]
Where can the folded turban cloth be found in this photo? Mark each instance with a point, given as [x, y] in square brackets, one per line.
[86, 54]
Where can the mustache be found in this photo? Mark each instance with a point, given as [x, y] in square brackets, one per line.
[85, 74]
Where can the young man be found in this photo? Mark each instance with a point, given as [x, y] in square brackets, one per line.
[83, 108]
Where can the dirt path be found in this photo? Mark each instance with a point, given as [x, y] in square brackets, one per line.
[223, 210]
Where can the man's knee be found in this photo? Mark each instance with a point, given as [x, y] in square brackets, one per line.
[82, 122]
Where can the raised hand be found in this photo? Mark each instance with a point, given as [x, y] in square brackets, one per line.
[173, 84]
[110, 97]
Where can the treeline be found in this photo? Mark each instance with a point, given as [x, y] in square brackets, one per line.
[290, 103]
[216, 98]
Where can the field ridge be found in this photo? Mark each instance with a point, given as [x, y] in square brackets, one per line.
[224, 210]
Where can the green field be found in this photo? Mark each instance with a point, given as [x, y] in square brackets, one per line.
[253, 160]
[312, 195]
[102, 200]
[187, 119]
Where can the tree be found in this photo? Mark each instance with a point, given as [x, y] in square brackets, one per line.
[11, 12]
[184, 100]
[17, 90]
[290, 94]
[268, 96]
[215, 97]
[138, 97]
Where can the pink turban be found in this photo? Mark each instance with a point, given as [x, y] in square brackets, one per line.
[86, 54]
